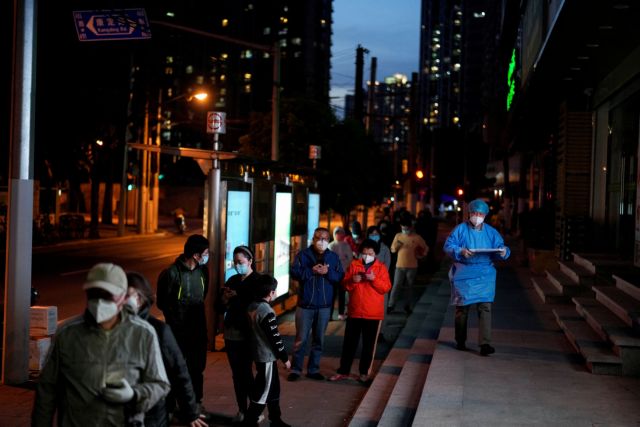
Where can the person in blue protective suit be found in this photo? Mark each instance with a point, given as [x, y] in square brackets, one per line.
[474, 246]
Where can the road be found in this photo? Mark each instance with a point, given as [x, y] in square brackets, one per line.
[58, 273]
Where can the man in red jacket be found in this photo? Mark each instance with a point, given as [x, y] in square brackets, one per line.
[366, 280]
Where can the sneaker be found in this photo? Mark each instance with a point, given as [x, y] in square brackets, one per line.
[365, 379]
[316, 376]
[238, 418]
[293, 376]
[461, 346]
[486, 349]
[342, 317]
[338, 377]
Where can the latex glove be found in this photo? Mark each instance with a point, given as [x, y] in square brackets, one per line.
[119, 392]
[466, 253]
[503, 252]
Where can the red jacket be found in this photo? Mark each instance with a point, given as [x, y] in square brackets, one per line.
[366, 298]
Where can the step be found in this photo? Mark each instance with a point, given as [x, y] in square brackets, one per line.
[594, 262]
[403, 373]
[547, 292]
[599, 357]
[626, 343]
[565, 285]
[621, 304]
[577, 273]
[628, 283]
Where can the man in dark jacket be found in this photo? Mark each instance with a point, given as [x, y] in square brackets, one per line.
[182, 288]
[318, 270]
[140, 300]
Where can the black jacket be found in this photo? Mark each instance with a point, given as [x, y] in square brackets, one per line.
[235, 311]
[176, 367]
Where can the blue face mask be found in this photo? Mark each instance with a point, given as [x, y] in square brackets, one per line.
[375, 237]
[242, 269]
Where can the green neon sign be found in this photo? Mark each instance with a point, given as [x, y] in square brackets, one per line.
[511, 80]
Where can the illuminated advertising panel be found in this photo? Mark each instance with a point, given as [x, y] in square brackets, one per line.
[282, 242]
[238, 209]
[313, 217]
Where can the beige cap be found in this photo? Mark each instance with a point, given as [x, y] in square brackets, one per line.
[107, 276]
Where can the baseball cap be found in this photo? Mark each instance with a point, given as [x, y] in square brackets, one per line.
[107, 276]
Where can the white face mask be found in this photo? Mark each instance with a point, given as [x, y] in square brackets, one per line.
[204, 259]
[102, 309]
[367, 259]
[132, 302]
[322, 245]
[476, 220]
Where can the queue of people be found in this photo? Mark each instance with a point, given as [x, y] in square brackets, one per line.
[120, 365]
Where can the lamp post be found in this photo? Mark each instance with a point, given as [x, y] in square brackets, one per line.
[148, 200]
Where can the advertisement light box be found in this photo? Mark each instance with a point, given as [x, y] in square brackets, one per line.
[282, 242]
[238, 210]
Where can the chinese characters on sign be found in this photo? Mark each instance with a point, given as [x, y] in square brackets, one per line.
[122, 24]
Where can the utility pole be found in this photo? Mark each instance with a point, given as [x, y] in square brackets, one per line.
[371, 94]
[143, 189]
[359, 91]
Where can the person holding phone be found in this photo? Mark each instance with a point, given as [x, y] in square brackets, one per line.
[367, 281]
[472, 275]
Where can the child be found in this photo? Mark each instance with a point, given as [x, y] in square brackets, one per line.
[267, 347]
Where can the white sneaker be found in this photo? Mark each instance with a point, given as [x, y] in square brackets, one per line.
[342, 317]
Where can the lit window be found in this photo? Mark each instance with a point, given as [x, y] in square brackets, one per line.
[284, 20]
[457, 22]
[434, 69]
[283, 43]
[223, 91]
[168, 60]
[456, 120]
[266, 55]
[247, 77]
[225, 22]
[456, 67]
[189, 69]
[297, 41]
[297, 54]
[222, 77]
[170, 14]
[250, 6]
[247, 54]
[266, 31]
[168, 71]
[323, 22]
[224, 56]
[247, 88]
[479, 14]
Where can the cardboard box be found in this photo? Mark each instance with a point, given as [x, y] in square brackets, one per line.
[43, 320]
[38, 349]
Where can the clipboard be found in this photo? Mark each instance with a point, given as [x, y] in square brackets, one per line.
[484, 251]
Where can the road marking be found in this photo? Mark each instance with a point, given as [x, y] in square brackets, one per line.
[71, 273]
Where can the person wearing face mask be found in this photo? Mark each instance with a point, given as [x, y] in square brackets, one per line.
[140, 300]
[236, 295]
[318, 271]
[105, 367]
[410, 247]
[473, 246]
[384, 255]
[345, 253]
[182, 289]
[367, 281]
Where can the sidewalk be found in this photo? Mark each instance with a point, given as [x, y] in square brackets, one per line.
[304, 402]
[535, 378]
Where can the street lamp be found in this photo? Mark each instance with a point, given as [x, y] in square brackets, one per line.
[147, 211]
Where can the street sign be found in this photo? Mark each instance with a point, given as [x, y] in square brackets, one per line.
[117, 24]
[216, 122]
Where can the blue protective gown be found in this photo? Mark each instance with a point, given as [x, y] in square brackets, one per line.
[473, 279]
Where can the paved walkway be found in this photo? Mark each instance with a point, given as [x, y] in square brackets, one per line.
[535, 377]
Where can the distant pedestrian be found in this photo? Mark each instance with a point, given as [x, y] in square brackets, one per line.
[267, 348]
[367, 281]
[318, 271]
[238, 292]
[140, 300]
[105, 367]
[182, 288]
[474, 246]
[410, 247]
[344, 252]
[384, 256]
